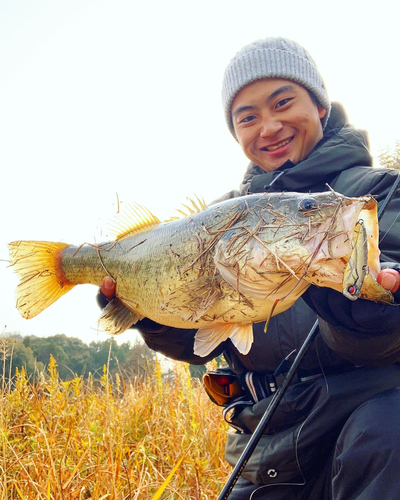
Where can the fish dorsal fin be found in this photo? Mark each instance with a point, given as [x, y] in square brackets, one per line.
[189, 209]
[131, 219]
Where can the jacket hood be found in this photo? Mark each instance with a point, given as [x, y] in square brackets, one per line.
[342, 147]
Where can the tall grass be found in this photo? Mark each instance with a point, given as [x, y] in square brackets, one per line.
[109, 439]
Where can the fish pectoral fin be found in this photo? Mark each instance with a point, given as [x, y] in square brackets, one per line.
[208, 338]
[256, 285]
[191, 300]
[117, 318]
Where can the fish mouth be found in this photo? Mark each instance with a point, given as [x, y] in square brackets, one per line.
[333, 238]
[274, 147]
[349, 258]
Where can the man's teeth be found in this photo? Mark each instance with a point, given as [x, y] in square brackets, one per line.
[283, 143]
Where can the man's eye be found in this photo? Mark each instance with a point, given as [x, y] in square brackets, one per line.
[247, 119]
[283, 102]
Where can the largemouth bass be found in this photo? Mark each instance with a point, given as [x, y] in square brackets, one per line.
[218, 270]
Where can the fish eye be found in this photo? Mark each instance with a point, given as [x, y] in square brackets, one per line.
[307, 204]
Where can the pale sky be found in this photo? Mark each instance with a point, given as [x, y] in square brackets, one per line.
[100, 98]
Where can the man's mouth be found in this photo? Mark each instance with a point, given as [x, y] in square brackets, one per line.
[276, 146]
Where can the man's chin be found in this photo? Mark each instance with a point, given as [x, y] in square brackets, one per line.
[272, 166]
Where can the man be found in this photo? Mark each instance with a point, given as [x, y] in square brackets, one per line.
[335, 434]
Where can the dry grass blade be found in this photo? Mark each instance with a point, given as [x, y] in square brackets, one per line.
[166, 482]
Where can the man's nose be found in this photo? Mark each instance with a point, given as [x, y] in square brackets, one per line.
[270, 126]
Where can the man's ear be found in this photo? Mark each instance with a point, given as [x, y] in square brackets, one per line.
[321, 111]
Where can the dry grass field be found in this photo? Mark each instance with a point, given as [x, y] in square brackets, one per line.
[110, 439]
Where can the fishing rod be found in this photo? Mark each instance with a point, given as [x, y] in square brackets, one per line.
[276, 399]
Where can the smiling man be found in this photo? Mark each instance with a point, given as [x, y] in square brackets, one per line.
[275, 121]
[335, 434]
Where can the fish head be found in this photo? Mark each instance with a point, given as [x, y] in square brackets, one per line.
[347, 238]
[332, 224]
[290, 237]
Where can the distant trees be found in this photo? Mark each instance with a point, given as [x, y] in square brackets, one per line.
[389, 157]
[73, 356]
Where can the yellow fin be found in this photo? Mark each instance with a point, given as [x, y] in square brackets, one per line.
[209, 337]
[42, 281]
[132, 219]
[193, 208]
[116, 318]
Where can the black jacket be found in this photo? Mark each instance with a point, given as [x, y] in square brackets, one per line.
[312, 413]
[342, 161]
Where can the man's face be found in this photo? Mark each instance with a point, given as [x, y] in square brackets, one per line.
[276, 120]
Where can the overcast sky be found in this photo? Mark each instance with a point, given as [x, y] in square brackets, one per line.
[102, 98]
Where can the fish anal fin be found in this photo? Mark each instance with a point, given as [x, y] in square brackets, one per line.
[208, 338]
[242, 337]
[132, 219]
[193, 299]
[116, 318]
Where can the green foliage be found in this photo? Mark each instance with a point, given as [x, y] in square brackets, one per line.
[197, 371]
[74, 357]
[389, 157]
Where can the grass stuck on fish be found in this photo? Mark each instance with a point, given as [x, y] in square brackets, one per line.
[219, 269]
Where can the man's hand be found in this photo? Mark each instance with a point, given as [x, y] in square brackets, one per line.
[108, 287]
[389, 279]
[360, 315]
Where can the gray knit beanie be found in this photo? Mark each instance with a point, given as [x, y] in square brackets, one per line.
[272, 58]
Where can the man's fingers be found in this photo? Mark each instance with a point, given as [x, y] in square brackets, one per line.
[389, 279]
[108, 287]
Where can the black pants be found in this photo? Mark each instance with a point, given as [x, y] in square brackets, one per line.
[365, 464]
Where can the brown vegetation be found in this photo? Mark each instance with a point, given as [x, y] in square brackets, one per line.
[111, 438]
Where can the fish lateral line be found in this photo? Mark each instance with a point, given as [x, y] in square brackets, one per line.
[98, 247]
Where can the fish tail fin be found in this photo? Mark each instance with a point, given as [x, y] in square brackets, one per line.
[42, 280]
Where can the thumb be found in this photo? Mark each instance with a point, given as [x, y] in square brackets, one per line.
[108, 287]
[389, 279]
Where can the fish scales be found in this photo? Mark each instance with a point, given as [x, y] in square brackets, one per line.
[149, 265]
[218, 270]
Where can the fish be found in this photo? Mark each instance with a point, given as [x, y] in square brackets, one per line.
[217, 269]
